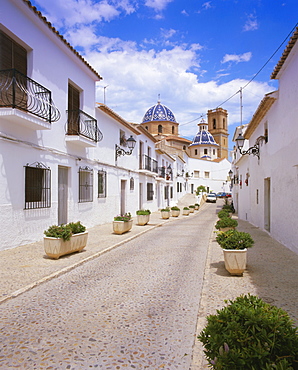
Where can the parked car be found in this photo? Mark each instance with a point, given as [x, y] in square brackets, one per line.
[211, 198]
[221, 195]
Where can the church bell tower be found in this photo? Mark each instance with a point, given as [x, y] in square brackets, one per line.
[218, 127]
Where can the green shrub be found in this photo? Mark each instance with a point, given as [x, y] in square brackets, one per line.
[249, 334]
[192, 206]
[233, 239]
[143, 212]
[165, 210]
[223, 213]
[77, 227]
[175, 208]
[226, 222]
[186, 208]
[61, 231]
[126, 217]
[227, 207]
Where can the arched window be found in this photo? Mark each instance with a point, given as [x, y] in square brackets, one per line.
[196, 151]
[214, 123]
[160, 129]
[184, 147]
[224, 123]
[146, 128]
[173, 129]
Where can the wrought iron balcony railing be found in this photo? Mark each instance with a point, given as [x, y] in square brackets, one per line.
[162, 172]
[80, 123]
[154, 166]
[19, 91]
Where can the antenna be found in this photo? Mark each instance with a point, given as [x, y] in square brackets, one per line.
[104, 94]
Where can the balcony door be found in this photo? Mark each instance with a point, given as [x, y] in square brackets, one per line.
[13, 73]
[73, 111]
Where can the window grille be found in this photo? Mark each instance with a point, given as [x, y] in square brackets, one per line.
[102, 185]
[150, 191]
[85, 184]
[37, 186]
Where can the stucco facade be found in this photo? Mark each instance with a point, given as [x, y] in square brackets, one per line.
[269, 199]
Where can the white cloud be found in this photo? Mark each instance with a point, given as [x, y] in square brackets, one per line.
[184, 12]
[157, 5]
[237, 58]
[207, 5]
[251, 23]
[141, 75]
[167, 34]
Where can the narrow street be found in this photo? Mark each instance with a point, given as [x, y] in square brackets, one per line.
[133, 307]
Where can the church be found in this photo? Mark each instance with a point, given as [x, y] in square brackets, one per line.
[206, 156]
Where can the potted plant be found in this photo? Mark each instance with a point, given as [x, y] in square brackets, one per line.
[122, 223]
[175, 211]
[197, 206]
[223, 213]
[143, 216]
[234, 244]
[226, 223]
[165, 213]
[250, 334]
[65, 239]
[191, 208]
[185, 211]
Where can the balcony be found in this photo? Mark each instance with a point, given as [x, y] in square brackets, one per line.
[148, 164]
[26, 102]
[82, 129]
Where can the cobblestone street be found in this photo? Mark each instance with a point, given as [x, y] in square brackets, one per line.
[133, 307]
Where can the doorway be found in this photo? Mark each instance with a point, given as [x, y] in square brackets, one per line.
[62, 195]
[267, 204]
[123, 197]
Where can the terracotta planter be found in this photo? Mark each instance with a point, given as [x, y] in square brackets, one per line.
[143, 219]
[57, 247]
[226, 228]
[235, 261]
[175, 213]
[121, 227]
[185, 212]
[165, 214]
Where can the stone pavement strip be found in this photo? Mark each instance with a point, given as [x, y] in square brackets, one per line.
[271, 271]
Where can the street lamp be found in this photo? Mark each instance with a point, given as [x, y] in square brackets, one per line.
[254, 150]
[130, 142]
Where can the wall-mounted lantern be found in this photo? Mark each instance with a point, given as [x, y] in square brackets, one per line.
[254, 150]
[131, 142]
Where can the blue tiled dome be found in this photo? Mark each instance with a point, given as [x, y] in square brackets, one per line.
[203, 137]
[159, 112]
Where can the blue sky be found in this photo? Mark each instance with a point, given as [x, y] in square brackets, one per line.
[195, 54]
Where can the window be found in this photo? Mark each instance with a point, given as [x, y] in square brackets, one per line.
[178, 187]
[214, 123]
[85, 184]
[160, 129]
[131, 183]
[173, 130]
[102, 189]
[205, 151]
[196, 174]
[224, 123]
[171, 192]
[150, 191]
[207, 174]
[196, 151]
[122, 138]
[37, 186]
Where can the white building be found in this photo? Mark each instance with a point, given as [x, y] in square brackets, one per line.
[65, 158]
[267, 195]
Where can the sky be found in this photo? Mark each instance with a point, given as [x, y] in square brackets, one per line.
[192, 55]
